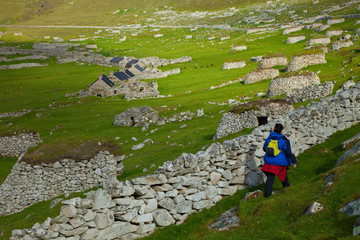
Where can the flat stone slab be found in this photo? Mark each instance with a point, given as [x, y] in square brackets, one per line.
[225, 221]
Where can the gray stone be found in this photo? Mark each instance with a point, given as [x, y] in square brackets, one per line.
[117, 230]
[184, 207]
[167, 203]
[162, 218]
[69, 211]
[151, 206]
[101, 199]
[103, 220]
[92, 233]
[314, 208]
[155, 179]
[352, 209]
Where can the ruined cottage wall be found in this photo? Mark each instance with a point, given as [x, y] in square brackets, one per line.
[299, 62]
[310, 92]
[15, 146]
[27, 184]
[193, 182]
[271, 62]
[282, 85]
[315, 41]
[339, 45]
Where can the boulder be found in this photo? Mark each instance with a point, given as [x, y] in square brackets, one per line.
[314, 208]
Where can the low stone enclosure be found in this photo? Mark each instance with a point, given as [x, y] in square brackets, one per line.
[309, 92]
[27, 184]
[192, 182]
[269, 62]
[232, 65]
[292, 40]
[286, 83]
[17, 145]
[299, 62]
[251, 114]
[321, 40]
[261, 74]
[338, 45]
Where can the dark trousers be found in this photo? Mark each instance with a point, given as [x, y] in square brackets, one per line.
[270, 181]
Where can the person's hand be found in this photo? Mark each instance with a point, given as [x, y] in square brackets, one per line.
[294, 165]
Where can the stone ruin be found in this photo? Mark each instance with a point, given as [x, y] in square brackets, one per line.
[338, 45]
[292, 40]
[261, 74]
[269, 62]
[299, 62]
[321, 40]
[137, 117]
[293, 29]
[285, 83]
[251, 114]
[310, 92]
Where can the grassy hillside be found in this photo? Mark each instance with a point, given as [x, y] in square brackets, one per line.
[73, 119]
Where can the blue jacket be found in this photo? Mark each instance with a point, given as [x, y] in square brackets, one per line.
[285, 157]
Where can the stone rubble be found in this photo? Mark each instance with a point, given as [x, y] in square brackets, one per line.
[14, 114]
[17, 145]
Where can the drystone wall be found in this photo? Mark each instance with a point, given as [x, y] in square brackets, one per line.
[22, 65]
[27, 184]
[15, 146]
[271, 62]
[14, 114]
[282, 85]
[299, 62]
[331, 33]
[261, 74]
[310, 92]
[192, 182]
[232, 65]
[293, 29]
[137, 117]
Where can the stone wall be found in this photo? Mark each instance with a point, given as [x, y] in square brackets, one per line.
[261, 74]
[331, 33]
[192, 182]
[271, 62]
[310, 92]
[293, 29]
[22, 65]
[137, 117]
[14, 114]
[299, 62]
[282, 84]
[15, 146]
[156, 62]
[27, 184]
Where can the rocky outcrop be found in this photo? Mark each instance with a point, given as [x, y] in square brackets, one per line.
[310, 92]
[272, 61]
[17, 145]
[232, 65]
[284, 84]
[341, 44]
[292, 40]
[260, 112]
[322, 40]
[261, 74]
[137, 117]
[299, 62]
[27, 184]
[192, 182]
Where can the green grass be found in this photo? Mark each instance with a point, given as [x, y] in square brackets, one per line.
[6, 166]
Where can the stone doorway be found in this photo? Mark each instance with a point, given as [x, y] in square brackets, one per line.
[262, 120]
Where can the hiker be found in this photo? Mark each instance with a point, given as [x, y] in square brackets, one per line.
[278, 159]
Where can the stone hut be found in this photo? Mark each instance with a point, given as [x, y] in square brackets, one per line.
[335, 21]
[232, 65]
[293, 29]
[331, 33]
[251, 114]
[101, 87]
[136, 117]
[261, 74]
[283, 84]
[341, 44]
[299, 62]
[271, 61]
[310, 92]
[321, 40]
[292, 40]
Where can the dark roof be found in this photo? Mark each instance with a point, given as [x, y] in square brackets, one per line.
[129, 73]
[121, 76]
[139, 68]
[107, 81]
[132, 62]
[116, 59]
